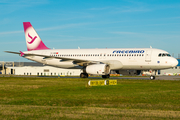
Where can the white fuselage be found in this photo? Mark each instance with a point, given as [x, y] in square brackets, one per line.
[129, 58]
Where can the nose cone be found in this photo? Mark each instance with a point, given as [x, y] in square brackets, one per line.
[174, 62]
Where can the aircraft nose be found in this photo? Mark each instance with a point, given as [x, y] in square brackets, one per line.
[174, 62]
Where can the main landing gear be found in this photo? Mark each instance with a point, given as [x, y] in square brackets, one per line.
[83, 75]
[105, 76]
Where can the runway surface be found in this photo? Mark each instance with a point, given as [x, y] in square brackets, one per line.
[157, 78]
[136, 77]
[126, 77]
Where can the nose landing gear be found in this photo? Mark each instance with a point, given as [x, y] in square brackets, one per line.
[152, 77]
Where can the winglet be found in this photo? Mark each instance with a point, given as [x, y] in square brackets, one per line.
[21, 53]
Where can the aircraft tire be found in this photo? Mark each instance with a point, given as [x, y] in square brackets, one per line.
[83, 75]
[108, 76]
[86, 75]
[105, 76]
[152, 77]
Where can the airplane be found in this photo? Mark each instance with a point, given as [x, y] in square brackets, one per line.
[95, 61]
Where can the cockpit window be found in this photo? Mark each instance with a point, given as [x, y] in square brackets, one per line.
[164, 54]
[169, 55]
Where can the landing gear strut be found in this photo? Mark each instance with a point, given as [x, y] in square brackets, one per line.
[105, 76]
[152, 77]
[83, 75]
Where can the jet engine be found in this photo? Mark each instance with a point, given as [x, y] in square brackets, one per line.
[100, 69]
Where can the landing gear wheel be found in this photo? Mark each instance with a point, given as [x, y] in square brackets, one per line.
[105, 76]
[83, 75]
[152, 77]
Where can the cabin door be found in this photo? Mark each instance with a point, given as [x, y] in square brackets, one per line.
[148, 56]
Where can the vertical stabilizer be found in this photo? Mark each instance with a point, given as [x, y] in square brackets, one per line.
[33, 41]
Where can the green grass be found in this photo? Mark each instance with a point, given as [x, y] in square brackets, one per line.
[72, 98]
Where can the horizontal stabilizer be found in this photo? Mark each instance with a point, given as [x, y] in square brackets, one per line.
[13, 52]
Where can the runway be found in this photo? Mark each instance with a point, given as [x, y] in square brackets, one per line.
[126, 77]
[130, 77]
[147, 78]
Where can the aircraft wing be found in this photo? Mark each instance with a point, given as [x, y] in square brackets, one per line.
[80, 62]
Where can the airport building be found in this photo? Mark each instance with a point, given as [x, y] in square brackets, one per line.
[33, 68]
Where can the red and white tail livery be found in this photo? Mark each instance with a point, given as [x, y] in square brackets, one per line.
[33, 41]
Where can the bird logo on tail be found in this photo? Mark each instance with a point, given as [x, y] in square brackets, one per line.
[32, 39]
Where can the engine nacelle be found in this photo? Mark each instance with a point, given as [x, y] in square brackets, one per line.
[98, 69]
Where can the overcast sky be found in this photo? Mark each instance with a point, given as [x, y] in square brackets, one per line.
[66, 24]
